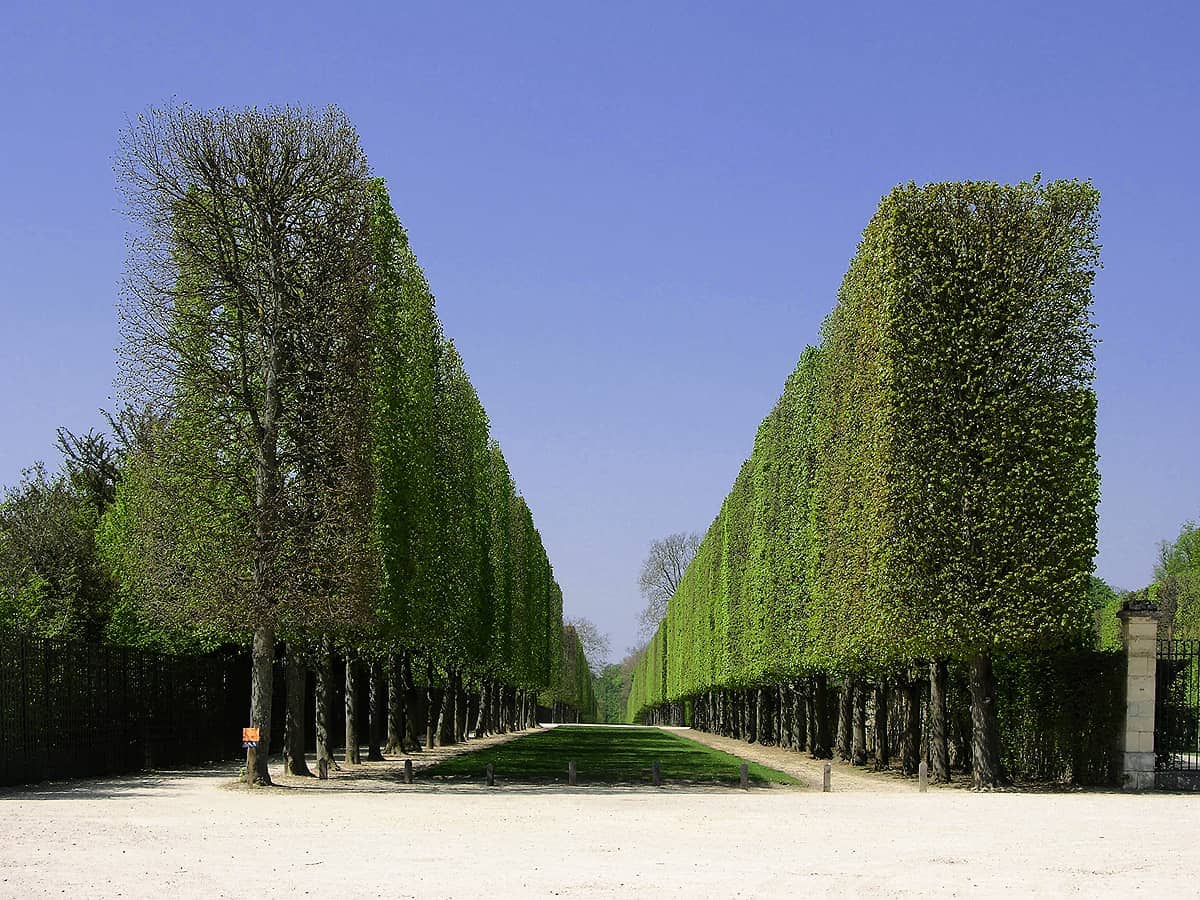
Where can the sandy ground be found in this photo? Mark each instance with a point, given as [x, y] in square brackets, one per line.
[192, 834]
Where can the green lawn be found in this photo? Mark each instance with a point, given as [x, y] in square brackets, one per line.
[603, 756]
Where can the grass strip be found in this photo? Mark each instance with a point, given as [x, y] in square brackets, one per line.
[610, 756]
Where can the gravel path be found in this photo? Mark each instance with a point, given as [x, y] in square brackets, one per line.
[195, 835]
[844, 777]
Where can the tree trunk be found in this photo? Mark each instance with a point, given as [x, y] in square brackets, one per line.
[323, 681]
[395, 703]
[858, 737]
[822, 747]
[353, 756]
[783, 703]
[448, 712]
[756, 716]
[910, 739]
[882, 749]
[262, 688]
[432, 708]
[960, 740]
[939, 745]
[481, 715]
[375, 695]
[845, 719]
[411, 713]
[266, 540]
[986, 772]
[294, 737]
[461, 709]
[799, 717]
[810, 721]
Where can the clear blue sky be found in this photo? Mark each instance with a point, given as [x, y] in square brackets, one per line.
[635, 216]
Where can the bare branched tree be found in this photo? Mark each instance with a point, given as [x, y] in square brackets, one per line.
[662, 571]
[595, 644]
[246, 321]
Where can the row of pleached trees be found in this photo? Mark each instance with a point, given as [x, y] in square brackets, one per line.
[312, 468]
[922, 496]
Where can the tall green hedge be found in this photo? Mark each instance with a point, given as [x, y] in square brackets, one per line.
[927, 485]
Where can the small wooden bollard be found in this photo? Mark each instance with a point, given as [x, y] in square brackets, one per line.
[323, 769]
[572, 774]
[656, 774]
[827, 784]
[408, 771]
[923, 776]
[491, 775]
[745, 775]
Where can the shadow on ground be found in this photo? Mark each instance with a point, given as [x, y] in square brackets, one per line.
[158, 783]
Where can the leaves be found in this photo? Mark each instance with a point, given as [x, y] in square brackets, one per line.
[927, 483]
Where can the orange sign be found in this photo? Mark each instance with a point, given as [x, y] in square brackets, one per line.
[250, 734]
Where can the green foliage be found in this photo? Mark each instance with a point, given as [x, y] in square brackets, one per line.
[1177, 576]
[52, 583]
[1100, 593]
[179, 542]
[312, 459]
[572, 683]
[958, 481]
[408, 346]
[1105, 604]
[1061, 713]
[465, 577]
[612, 694]
[927, 483]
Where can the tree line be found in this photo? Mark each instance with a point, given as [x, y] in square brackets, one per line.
[922, 498]
[301, 459]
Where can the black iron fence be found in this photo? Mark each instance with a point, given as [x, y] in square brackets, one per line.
[1177, 713]
[71, 710]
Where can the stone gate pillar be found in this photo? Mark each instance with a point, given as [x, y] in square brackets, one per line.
[1139, 633]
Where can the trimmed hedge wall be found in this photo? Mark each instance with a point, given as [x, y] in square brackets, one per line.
[926, 486]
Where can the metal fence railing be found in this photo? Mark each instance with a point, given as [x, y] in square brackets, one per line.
[1177, 707]
[72, 710]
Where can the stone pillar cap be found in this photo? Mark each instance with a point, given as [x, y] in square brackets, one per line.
[1143, 609]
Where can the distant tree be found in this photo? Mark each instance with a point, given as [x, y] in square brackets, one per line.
[595, 644]
[1177, 575]
[613, 685]
[93, 460]
[1100, 593]
[51, 582]
[1105, 602]
[93, 465]
[611, 695]
[56, 579]
[662, 570]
